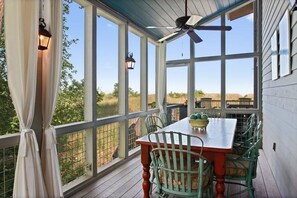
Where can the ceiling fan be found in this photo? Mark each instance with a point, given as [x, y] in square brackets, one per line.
[187, 24]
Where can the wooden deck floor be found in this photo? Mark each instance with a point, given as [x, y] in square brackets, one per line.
[126, 182]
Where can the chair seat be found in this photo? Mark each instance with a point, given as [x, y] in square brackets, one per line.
[236, 168]
[194, 176]
[239, 149]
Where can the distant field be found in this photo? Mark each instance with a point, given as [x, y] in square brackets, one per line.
[111, 102]
[214, 96]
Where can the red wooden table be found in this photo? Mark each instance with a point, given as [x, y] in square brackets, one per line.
[218, 140]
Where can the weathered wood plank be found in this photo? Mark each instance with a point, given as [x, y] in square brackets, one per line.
[270, 184]
[133, 192]
[118, 184]
[232, 189]
[91, 190]
[258, 182]
[126, 182]
[124, 187]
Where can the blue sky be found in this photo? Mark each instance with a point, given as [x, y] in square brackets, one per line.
[239, 72]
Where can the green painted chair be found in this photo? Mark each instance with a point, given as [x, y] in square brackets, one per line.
[177, 170]
[165, 119]
[243, 144]
[247, 131]
[153, 123]
[244, 167]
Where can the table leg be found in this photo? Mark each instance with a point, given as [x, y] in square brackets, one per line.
[145, 160]
[219, 166]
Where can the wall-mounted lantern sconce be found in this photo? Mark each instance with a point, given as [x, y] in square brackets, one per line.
[44, 36]
[130, 62]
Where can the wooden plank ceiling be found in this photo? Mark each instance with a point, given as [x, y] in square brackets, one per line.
[145, 13]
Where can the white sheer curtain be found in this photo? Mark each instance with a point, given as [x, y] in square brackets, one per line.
[162, 76]
[51, 72]
[21, 33]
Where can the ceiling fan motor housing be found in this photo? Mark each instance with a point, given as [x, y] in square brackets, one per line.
[181, 22]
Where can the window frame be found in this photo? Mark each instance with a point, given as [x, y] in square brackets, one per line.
[223, 58]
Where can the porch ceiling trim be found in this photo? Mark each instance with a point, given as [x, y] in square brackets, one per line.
[164, 12]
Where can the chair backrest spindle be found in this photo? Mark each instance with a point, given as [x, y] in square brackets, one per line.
[153, 123]
[177, 169]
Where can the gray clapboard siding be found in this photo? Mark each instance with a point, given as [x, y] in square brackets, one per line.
[294, 60]
[294, 45]
[287, 91]
[280, 103]
[266, 77]
[294, 22]
[294, 40]
[269, 28]
[282, 81]
[283, 158]
[267, 70]
[266, 57]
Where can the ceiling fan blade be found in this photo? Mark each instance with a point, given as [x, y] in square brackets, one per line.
[193, 20]
[168, 36]
[221, 28]
[167, 27]
[194, 36]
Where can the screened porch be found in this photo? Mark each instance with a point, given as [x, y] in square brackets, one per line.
[88, 108]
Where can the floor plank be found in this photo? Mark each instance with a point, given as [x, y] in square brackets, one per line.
[137, 188]
[270, 184]
[116, 175]
[126, 182]
[113, 183]
[231, 189]
[258, 183]
[118, 188]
